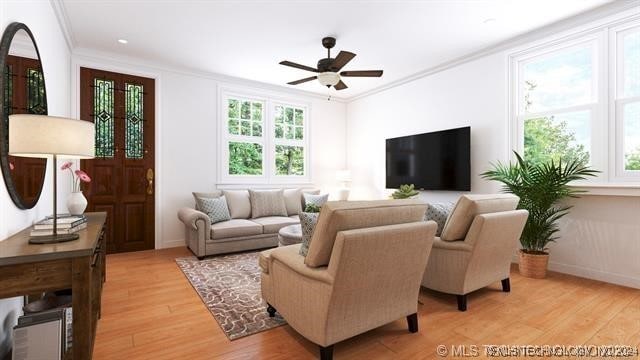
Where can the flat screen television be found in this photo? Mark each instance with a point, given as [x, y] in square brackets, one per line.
[438, 160]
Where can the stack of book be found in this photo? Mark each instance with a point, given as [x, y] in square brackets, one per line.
[67, 224]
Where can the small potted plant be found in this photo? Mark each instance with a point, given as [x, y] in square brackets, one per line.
[405, 191]
[541, 187]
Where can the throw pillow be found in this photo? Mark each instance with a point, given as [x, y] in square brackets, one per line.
[439, 213]
[308, 224]
[267, 203]
[215, 208]
[292, 201]
[317, 200]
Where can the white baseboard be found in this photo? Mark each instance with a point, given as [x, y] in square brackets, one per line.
[583, 272]
[172, 243]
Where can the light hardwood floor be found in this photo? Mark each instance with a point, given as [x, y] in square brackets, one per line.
[150, 311]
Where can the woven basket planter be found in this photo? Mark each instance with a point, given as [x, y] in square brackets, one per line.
[533, 265]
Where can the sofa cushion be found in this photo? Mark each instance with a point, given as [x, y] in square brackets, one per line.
[267, 203]
[235, 228]
[308, 223]
[199, 195]
[468, 206]
[263, 259]
[337, 216]
[273, 224]
[215, 208]
[292, 201]
[295, 217]
[239, 203]
[317, 200]
[438, 212]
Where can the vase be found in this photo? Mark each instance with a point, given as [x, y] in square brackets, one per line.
[76, 203]
[533, 265]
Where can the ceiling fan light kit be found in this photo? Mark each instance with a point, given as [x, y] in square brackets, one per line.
[328, 69]
[328, 78]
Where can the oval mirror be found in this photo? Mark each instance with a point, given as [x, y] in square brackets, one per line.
[23, 92]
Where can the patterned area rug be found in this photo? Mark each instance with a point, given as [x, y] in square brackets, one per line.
[230, 288]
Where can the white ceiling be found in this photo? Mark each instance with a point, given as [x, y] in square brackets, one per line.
[247, 39]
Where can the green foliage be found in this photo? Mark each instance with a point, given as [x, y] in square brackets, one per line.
[312, 208]
[406, 191]
[546, 141]
[632, 160]
[289, 160]
[245, 158]
[540, 187]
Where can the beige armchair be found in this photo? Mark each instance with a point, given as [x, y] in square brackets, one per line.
[363, 270]
[477, 244]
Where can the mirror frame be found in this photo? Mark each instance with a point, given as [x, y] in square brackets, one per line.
[5, 45]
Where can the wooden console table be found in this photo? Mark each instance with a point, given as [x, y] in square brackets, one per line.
[78, 265]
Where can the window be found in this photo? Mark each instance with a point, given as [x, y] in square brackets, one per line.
[557, 103]
[569, 96]
[627, 101]
[264, 140]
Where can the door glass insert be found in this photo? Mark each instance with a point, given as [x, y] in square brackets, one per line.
[103, 117]
[134, 133]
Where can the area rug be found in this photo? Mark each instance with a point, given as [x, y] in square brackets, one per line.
[230, 288]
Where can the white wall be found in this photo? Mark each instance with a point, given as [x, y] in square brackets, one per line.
[40, 18]
[600, 239]
[186, 127]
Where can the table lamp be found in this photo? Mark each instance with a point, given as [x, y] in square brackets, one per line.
[344, 177]
[50, 137]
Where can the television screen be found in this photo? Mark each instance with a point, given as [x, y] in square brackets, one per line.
[431, 161]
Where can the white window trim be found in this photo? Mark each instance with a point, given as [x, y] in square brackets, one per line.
[268, 141]
[616, 83]
[609, 143]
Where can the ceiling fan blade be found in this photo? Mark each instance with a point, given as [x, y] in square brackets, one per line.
[362, 73]
[302, 80]
[340, 85]
[341, 60]
[297, 66]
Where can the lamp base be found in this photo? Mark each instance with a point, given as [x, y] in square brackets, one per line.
[52, 239]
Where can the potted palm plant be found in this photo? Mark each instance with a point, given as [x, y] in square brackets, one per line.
[541, 187]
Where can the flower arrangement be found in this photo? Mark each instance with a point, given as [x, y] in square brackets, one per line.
[77, 177]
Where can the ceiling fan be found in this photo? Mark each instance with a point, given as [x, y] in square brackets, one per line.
[328, 69]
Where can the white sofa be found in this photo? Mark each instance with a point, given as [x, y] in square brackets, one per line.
[241, 232]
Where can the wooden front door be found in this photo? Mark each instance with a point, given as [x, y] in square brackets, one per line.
[123, 184]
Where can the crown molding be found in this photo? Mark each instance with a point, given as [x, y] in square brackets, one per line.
[63, 20]
[108, 58]
[594, 15]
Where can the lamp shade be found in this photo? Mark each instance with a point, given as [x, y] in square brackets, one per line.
[43, 136]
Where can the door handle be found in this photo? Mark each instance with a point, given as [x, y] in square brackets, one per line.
[150, 181]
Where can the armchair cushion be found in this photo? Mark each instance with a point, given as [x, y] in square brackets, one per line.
[273, 224]
[234, 228]
[468, 206]
[239, 203]
[337, 216]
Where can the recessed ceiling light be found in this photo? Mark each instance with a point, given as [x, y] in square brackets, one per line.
[489, 21]
[122, 41]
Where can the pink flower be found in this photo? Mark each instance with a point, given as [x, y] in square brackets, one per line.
[11, 166]
[83, 176]
[66, 165]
